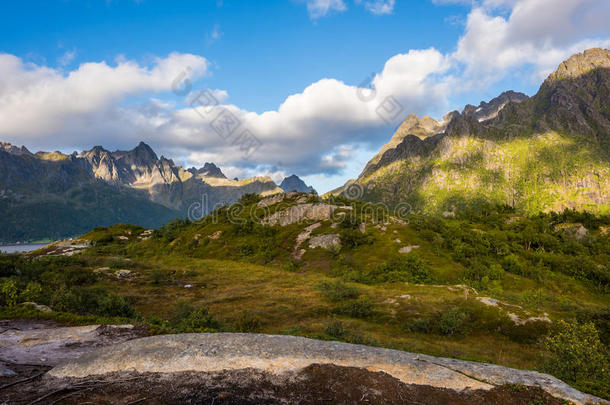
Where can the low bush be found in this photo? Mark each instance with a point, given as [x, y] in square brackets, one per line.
[454, 322]
[337, 291]
[94, 301]
[190, 319]
[408, 268]
[360, 308]
[247, 323]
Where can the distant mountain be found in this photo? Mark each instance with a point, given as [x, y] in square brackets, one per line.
[54, 195]
[547, 152]
[294, 183]
[208, 170]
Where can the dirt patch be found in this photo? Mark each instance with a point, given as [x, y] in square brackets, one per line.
[316, 384]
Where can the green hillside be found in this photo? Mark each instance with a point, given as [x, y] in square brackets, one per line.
[490, 285]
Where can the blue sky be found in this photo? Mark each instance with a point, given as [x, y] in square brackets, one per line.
[288, 70]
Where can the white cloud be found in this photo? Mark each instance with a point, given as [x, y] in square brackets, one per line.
[66, 58]
[537, 32]
[39, 100]
[320, 8]
[379, 7]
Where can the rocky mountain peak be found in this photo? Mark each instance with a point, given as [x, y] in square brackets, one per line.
[294, 183]
[208, 170]
[144, 152]
[488, 110]
[421, 127]
[582, 63]
[14, 150]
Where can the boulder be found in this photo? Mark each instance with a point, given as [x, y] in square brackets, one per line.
[408, 249]
[329, 241]
[37, 307]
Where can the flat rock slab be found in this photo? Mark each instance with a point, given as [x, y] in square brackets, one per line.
[41, 344]
[203, 352]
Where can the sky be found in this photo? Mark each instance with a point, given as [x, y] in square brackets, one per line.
[310, 87]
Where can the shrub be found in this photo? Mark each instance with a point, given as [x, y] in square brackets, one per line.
[360, 308]
[247, 323]
[477, 271]
[8, 293]
[352, 238]
[190, 319]
[578, 353]
[337, 291]
[408, 268]
[158, 277]
[405, 268]
[337, 330]
[94, 301]
[421, 325]
[32, 292]
[245, 249]
[102, 240]
[454, 322]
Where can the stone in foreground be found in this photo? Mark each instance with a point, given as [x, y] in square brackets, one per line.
[279, 354]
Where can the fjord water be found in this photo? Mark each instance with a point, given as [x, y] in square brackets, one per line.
[21, 248]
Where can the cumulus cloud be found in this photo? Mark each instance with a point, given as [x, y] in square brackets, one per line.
[537, 32]
[38, 100]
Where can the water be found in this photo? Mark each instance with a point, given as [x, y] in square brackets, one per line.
[21, 248]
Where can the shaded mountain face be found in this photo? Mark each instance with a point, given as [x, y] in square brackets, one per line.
[208, 170]
[547, 152]
[54, 195]
[294, 183]
[486, 111]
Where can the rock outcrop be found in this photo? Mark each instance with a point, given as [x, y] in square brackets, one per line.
[330, 241]
[42, 344]
[281, 354]
[301, 212]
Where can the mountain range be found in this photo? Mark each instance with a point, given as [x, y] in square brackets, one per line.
[55, 195]
[542, 153]
[548, 152]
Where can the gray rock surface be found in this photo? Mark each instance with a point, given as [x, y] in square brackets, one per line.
[279, 354]
[302, 212]
[52, 345]
[329, 241]
[271, 200]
